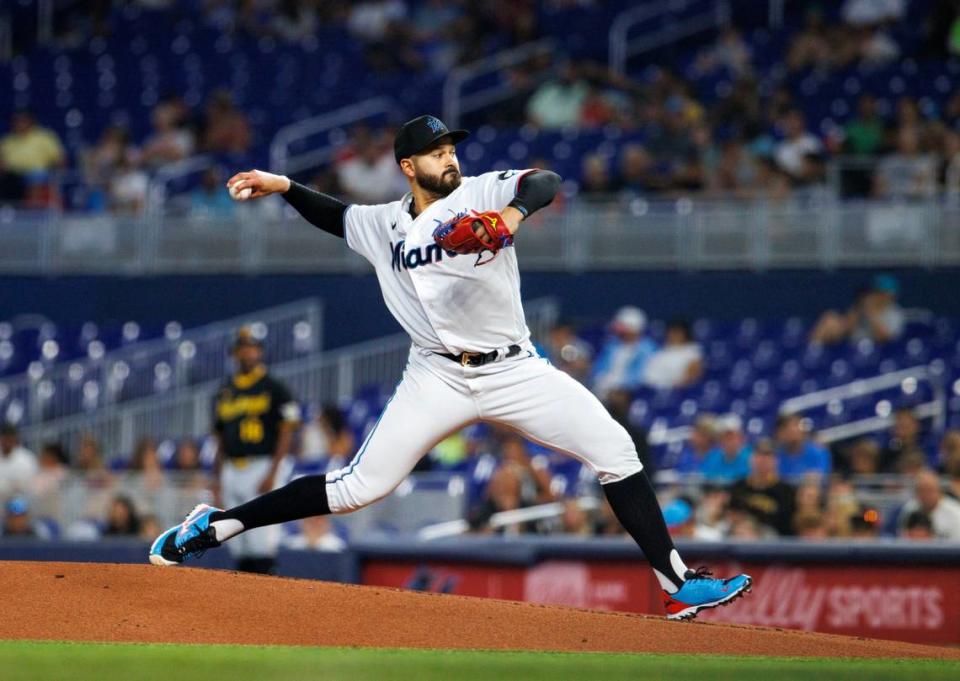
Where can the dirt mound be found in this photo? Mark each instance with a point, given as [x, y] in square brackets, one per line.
[141, 603]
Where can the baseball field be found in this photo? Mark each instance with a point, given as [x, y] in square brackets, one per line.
[84, 621]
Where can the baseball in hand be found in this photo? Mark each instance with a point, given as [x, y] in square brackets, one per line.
[241, 195]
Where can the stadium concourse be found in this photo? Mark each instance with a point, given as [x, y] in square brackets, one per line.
[751, 261]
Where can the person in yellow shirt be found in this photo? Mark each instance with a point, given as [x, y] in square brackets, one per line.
[30, 149]
[27, 155]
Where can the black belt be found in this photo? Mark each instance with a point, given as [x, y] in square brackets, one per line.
[476, 359]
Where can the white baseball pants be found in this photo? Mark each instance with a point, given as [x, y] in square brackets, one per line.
[438, 397]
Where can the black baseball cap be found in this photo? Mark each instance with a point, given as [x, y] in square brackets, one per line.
[419, 134]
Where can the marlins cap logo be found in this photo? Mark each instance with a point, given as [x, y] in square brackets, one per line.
[435, 124]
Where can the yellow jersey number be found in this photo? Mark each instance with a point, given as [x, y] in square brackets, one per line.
[251, 430]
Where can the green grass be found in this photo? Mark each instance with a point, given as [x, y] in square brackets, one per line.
[49, 661]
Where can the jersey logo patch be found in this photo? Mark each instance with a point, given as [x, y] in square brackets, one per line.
[506, 174]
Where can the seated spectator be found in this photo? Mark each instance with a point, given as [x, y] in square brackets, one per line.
[811, 526]
[618, 405]
[187, 456]
[558, 102]
[169, 141]
[575, 521]
[875, 315]
[18, 465]
[295, 21]
[122, 518]
[862, 457]
[211, 200]
[812, 45]
[703, 438]
[52, 470]
[809, 498]
[842, 505]
[623, 357]
[90, 464]
[128, 188]
[679, 363]
[744, 527]
[517, 483]
[730, 52]
[639, 173]
[730, 460]
[187, 465]
[763, 495]
[865, 524]
[328, 436]
[101, 162]
[873, 12]
[149, 527]
[595, 180]
[316, 534]
[31, 153]
[568, 352]
[918, 527]
[370, 174]
[797, 453]
[907, 174]
[864, 134]
[800, 153]
[226, 129]
[681, 519]
[904, 440]
[16, 519]
[929, 498]
[145, 465]
[950, 461]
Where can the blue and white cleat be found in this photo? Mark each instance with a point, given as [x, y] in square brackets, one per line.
[187, 540]
[700, 592]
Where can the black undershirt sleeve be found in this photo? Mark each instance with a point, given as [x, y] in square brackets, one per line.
[535, 190]
[322, 211]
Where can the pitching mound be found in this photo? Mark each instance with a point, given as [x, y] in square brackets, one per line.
[142, 603]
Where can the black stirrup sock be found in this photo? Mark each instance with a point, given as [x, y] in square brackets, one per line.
[302, 498]
[635, 504]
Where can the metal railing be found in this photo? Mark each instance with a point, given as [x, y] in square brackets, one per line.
[932, 373]
[934, 409]
[666, 27]
[285, 162]
[332, 376]
[166, 365]
[617, 233]
[456, 103]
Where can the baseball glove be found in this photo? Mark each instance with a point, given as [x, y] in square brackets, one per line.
[476, 233]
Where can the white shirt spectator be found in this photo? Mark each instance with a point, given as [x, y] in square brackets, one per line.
[872, 12]
[17, 470]
[790, 153]
[945, 517]
[371, 183]
[370, 20]
[668, 366]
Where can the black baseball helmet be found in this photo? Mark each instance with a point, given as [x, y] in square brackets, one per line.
[420, 133]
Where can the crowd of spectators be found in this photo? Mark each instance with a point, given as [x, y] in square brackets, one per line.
[752, 138]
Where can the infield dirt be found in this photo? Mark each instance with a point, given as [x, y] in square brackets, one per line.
[142, 603]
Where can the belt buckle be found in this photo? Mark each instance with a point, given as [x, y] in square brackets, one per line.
[467, 356]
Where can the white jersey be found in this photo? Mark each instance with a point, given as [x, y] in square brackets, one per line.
[445, 302]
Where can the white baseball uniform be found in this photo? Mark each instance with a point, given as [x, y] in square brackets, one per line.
[448, 304]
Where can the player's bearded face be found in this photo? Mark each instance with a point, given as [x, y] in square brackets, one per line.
[438, 173]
